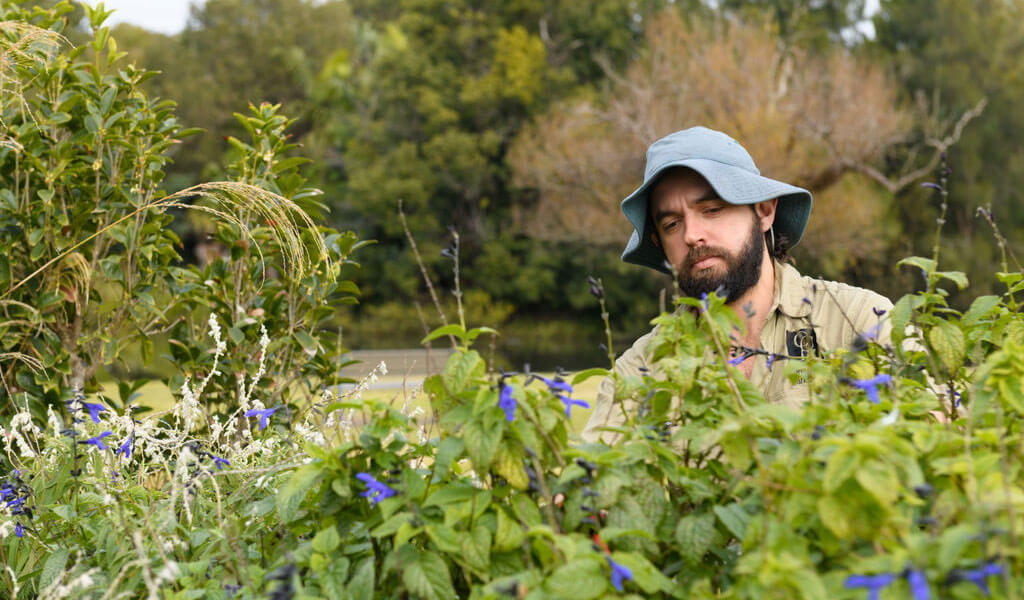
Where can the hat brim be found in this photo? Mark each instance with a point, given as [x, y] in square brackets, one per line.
[732, 184]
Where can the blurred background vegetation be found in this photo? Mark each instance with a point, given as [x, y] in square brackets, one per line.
[522, 123]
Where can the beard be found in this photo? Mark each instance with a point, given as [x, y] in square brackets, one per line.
[742, 271]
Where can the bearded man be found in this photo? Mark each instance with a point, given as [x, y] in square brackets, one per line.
[705, 213]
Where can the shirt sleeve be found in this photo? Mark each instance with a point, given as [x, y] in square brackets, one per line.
[608, 413]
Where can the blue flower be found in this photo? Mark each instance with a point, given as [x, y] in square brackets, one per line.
[220, 462]
[264, 415]
[376, 491]
[126, 448]
[570, 402]
[561, 389]
[94, 410]
[619, 572]
[979, 575]
[870, 386]
[507, 403]
[873, 583]
[98, 440]
[769, 362]
[931, 185]
[19, 530]
[918, 585]
[15, 502]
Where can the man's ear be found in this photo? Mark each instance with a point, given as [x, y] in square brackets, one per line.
[654, 238]
[766, 212]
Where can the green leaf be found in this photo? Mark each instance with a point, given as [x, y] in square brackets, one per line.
[392, 525]
[579, 579]
[645, 575]
[53, 567]
[462, 367]
[981, 306]
[734, 518]
[307, 342]
[326, 540]
[952, 544]
[957, 277]
[510, 533]
[476, 549]
[900, 314]
[879, 479]
[695, 534]
[482, 437]
[361, 586]
[449, 449]
[509, 464]
[833, 514]
[948, 342]
[452, 492]
[474, 333]
[427, 577]
[526, 509]
[587, 374]
[925, 264]
[294, 492]
[444, 538]
[453, 329]
[840, 466]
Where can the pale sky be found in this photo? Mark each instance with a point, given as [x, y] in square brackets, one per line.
[165, 16]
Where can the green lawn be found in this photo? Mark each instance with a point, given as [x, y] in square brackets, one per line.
[157, 396]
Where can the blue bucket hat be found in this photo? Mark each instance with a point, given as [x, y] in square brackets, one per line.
[728, 168]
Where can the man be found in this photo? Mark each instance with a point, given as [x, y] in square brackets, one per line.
[705, 212]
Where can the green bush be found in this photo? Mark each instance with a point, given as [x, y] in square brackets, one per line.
[902, 473]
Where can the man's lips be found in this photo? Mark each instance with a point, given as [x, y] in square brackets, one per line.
[704, 263]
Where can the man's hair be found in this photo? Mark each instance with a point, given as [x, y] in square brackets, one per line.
[780, 251]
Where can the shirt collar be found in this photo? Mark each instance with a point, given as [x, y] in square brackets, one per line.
[790, 292]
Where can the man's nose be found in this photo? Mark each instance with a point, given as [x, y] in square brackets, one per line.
[695, 233]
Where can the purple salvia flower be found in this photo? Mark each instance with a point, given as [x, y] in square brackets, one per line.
[376, 491]
[570, 402]
[19, 530]
[15, 502]
[125, 449]
[94, 410]
[98, 440]
[556, 385]
[264, 415]
[873, 583]
[561, 389]
[931, 185]
[619, 572]
[220, 462]
[978, 576]
[507, 403]
[769, 362]
[918, 585]
[870, 386]
[736, 360]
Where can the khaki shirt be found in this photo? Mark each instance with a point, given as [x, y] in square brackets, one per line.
[807, 316]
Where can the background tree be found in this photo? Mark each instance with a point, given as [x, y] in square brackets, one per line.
[962, 53]
[810, 119]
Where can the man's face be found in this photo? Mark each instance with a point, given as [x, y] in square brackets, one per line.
[710, 242]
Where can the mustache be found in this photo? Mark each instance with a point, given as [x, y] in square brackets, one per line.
[700, 253]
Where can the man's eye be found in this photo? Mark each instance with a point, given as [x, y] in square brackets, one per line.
[713, 210]
[669, 226]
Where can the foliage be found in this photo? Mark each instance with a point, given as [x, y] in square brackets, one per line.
[902, 470]
[90, 268]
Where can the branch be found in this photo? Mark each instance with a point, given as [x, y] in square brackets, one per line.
[940, 145]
